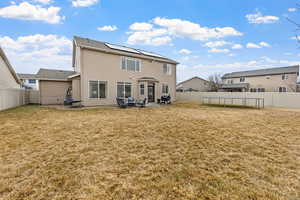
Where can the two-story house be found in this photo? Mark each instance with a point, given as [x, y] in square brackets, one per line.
[281, 79]
[103, 72]
[195, 84]
[29, 81]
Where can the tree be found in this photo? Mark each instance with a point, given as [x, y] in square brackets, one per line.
[297, 37]
[215, 81]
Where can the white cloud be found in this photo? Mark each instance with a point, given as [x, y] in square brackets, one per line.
[264, 44]
[27, 11]
[237, 46]
[299, 54]
[84, 3]
[251, 45]
[292, 9]
[231, 54]
[215, 50]
[258, 18]
[166, 29]
[43, 1]
[295, 38]
[185, 51]
[29, 53]
[216, 44]
[141, 26]
[156, 37]
[108, 28]
[187, 29]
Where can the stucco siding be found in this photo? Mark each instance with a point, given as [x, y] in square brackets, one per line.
[270, 83]
[195, 84]
[53, 92]
[76, 89]
[6, 78]
[100, 66]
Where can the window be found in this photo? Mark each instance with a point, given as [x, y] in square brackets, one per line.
[131, 64]
[124, 89]
[253, 90]
[282, 89]
[230, 81]
[165, 89]
[260, 89]
[32, 81]
[97, 89]
[142, 89]
[242, 79]
[167, 69]
[284, 77]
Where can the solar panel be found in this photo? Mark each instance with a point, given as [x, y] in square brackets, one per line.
[117, 47]
[151, 54]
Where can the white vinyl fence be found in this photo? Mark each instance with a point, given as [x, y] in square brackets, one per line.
[271, 99]
[10, 98]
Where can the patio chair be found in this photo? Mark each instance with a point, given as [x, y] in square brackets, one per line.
[131, 101]
[121, 103]
[142, 104]
[166, 99]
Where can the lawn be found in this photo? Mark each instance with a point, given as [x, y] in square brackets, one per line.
[182, 151]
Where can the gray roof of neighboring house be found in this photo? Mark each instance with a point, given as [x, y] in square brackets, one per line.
[10, 68]
[263, 72]
[53, 74]
[27, 76]
[235, 85]
[195, 77]
[85, 42]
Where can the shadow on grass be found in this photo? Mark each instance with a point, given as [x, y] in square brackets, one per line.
[228, 106]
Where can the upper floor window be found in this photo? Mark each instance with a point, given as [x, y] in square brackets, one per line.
[284, 77]
[167, 69]
[230, 81]
[242, 79]
[97, 89]
[32, 81]
[131, 64]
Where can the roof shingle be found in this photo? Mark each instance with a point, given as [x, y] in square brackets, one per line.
[263, 72]
[51, 74]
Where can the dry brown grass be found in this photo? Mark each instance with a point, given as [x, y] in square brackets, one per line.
[183, 151]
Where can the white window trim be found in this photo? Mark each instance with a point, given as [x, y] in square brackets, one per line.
[162, 85]
[98, 98]
[141, 88]
[286, 77]
[131, 91]
[169, 69]
[132, 59]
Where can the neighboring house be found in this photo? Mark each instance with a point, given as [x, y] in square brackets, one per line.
[282, 79]
[298, 87]
[29, 81]
[196, 84]
[8, 77]
[53, 85]
[103, 72]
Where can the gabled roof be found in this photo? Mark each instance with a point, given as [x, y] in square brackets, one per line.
[27, 76]
[10, 68]
[195, 77]
[263, 72]
[55, 75]
[105, 47]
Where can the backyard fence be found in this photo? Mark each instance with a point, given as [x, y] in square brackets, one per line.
[10, 98]
[271, 99]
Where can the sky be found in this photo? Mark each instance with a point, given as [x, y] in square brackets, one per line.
[204, 36]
